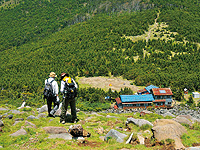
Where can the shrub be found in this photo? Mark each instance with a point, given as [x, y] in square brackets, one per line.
[196, 126]
[170, 141]
[27, 109]
[146, 127]
[198, 104]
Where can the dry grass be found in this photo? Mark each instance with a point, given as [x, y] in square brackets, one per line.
[115, 83]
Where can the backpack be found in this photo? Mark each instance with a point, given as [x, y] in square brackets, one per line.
[48, 90]
[70, 90]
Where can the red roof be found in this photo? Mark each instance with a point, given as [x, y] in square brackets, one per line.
[115, 107]
[160, 100]
[118, 100]
[141, 91]
[162, 91]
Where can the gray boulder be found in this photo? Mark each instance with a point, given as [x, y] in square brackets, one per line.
[19, 132]
[29, 125]
[182, 120]
[32, 117]
[10, 116]
[138, 122]
[3, 109]
[193, 148]
[15, 112]
[42, 115]
[116, 135]
[65, 136]
[108, 116]
[168, 114]
[55, 130]
[19, 119]
[169, 129]
[16, 122]
[43, 109]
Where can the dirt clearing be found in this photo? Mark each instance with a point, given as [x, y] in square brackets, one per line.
[107, 82]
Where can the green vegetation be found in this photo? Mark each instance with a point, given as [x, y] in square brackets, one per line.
[88, 38]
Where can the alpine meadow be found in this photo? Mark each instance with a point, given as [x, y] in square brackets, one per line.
[147, 42]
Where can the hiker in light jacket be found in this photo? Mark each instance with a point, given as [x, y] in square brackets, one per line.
[53, 99]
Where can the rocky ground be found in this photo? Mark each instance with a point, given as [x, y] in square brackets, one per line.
[110, 127]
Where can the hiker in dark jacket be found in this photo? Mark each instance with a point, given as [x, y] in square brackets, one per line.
[54, 98]
[68, 97]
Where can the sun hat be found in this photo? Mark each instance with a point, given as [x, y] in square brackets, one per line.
[53, 74]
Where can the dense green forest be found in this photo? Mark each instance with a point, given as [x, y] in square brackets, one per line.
[88, 38]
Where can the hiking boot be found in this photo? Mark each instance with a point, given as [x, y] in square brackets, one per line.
[63, 122]
[51, 116]
[74, 121]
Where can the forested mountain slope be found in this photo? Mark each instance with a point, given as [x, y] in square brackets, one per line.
[87, 38]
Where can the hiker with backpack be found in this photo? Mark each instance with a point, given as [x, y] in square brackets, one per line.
[69, 90]
[51, 94]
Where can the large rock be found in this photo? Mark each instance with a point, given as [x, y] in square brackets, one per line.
[15, 112]
[16, 122]
[44, 108]
[32, 117]
[29, 125]
[138, 122]
[19, 132]
[55, 130]
[42, 115]
[65, 136]
[168, 114]
[193, 148]
[77, 131]
[3, 109]
[168, 129]
[182, 120]
[10, 116]
[189, 117]
[19, 119]
[116, 135]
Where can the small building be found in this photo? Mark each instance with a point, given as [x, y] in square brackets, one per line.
[134, 101]
[163, 95]
[147, 90]
[185, 91]
[195, 95]
[159, 97]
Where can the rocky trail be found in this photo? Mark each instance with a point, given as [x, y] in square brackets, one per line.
[96, 130]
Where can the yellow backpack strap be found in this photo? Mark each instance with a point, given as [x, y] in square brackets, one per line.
[69, 80]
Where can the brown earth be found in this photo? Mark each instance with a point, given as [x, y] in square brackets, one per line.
[89, 143]
[115, 83]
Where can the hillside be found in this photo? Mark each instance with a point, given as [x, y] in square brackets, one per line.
[147, 42]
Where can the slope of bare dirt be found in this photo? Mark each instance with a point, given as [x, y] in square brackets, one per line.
[107, 82]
